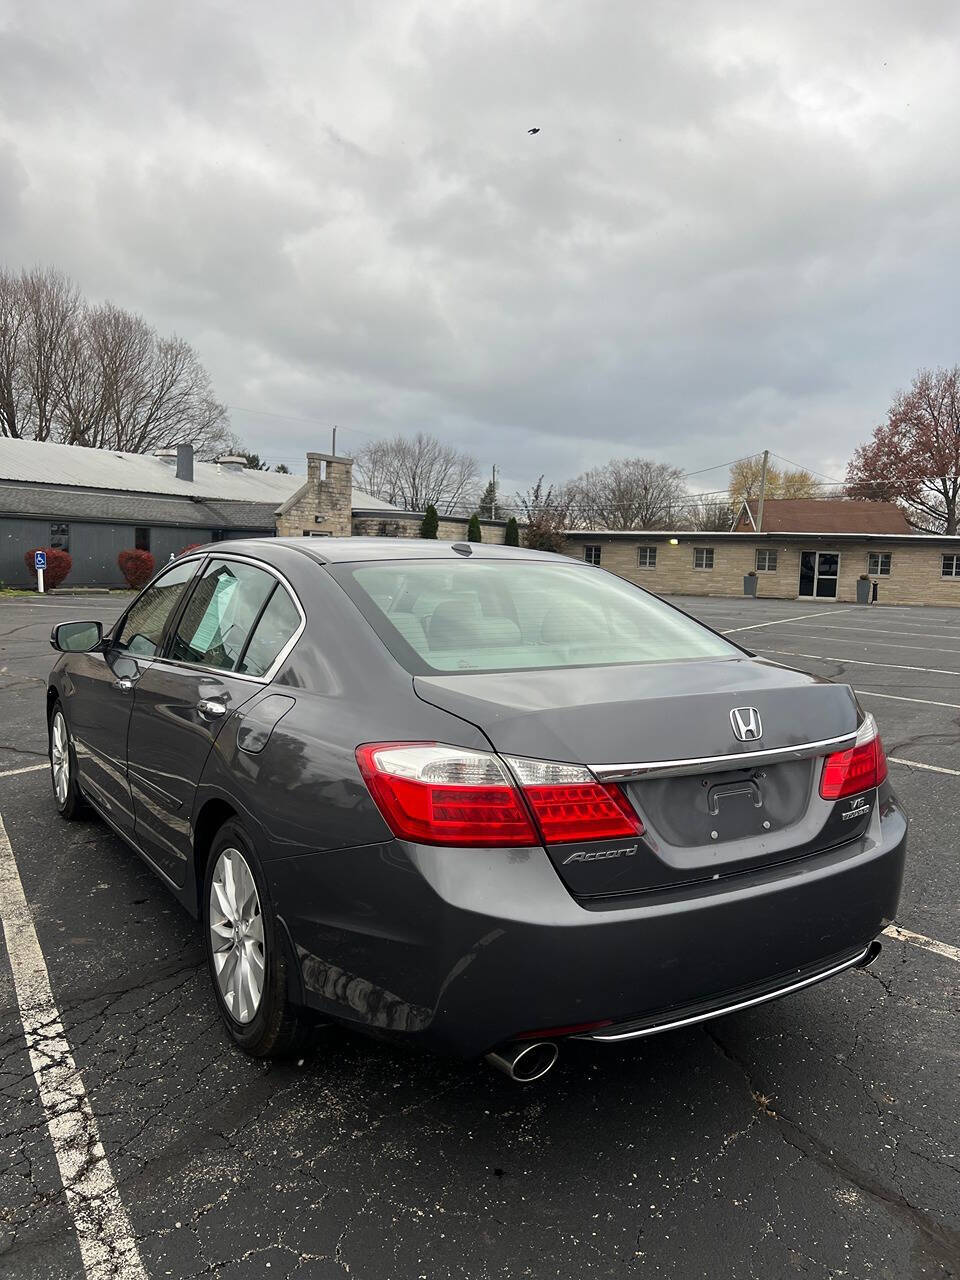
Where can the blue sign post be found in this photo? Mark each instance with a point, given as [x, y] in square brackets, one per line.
[40, 563]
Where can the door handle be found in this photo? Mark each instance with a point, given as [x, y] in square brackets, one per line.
[211, 708]
[124, 684]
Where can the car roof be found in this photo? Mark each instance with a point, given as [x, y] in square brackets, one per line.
[346, 550]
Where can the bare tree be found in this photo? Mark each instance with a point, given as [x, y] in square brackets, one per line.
[630, 493]
[546, 515]
[12, 339]
[98, 375]
[707, 515]
[52, 307]
[417, 472]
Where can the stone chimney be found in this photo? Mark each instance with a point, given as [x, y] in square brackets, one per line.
[185, 462]
[324, 505]
[232, 462]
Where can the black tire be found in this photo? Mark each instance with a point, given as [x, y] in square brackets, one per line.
[68, 799]
[278, 1028]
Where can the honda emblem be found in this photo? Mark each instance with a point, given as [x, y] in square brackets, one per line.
[745, 722]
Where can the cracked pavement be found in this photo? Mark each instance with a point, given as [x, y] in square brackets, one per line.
[814, 1137]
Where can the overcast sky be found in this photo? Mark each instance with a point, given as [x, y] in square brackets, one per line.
[737, 228]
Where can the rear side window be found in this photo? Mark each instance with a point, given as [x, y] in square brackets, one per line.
[278, 622]
[142, 629]
[493, 615]
[220, 614]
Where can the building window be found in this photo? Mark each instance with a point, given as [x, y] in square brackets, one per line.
[950, 566]
[766, 561]
[646, 557]
[591, 554]
[60, 537]
[703, 557]
[878, 563]
[141, 538]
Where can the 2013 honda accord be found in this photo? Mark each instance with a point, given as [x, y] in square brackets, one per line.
[473, 797]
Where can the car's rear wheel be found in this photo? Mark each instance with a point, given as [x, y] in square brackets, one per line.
[63, 767]
[245, 952]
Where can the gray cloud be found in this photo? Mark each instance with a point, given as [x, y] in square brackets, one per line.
[737, 227]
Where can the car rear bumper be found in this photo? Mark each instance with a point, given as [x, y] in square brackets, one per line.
[462, 950]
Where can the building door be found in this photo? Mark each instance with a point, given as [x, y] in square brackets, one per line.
[819, 571]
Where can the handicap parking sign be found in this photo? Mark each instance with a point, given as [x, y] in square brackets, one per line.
[39, 559]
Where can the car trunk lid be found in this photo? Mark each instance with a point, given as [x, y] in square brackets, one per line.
[710, 803]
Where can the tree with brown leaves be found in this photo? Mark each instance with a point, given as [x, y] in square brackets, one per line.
[914, 457]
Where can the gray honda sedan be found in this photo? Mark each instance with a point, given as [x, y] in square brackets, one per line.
[475, 798]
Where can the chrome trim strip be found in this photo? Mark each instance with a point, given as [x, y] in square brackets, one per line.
[707, 764]
[728, 1008]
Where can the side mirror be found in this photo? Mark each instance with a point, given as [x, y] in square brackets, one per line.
[76, 637]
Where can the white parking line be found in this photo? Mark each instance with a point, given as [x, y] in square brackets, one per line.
[778, 622]
[869, 643]
[931, 768]
[107, 1245]
[861, 662]
[867, 630]
[925, 943]
[898, 697]
[27, 768]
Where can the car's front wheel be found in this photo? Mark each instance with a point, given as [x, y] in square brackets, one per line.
[63, 766]
[247, 960]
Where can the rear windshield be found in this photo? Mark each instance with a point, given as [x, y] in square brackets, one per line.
[508, 615]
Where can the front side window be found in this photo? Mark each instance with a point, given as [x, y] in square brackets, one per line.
[497, 615]
[591, 554]
[646, 557]
[878, 563]
[220, 614]
[950, 566]
[141, 631]
[60, 536]
[766, 561]
[703, 557]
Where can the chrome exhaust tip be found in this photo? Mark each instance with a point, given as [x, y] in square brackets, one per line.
[873, 951]
[525, 1060]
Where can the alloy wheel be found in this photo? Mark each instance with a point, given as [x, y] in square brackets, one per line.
[60, 757]
[236, 935]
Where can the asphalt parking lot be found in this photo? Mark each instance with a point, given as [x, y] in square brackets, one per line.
[816, 1137]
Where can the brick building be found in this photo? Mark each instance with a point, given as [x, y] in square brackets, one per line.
[817, 548]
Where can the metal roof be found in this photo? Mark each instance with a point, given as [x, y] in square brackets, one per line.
[49, 502]
[30, 462]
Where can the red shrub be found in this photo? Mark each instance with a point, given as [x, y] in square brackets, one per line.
[191, 546]
[136, 567]
[59, 565]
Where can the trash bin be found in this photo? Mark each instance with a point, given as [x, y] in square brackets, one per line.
[863, 590]
[750, 584]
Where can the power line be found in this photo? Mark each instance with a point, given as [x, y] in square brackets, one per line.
[293, 417]
[810, 470]
[720, 465]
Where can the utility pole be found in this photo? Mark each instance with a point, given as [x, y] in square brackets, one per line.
[333, 446]
[493, 491]
[763, 486]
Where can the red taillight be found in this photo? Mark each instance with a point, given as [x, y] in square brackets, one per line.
[436, 794]
[570, 806]
[859, 768]
[587, 811]
[442, 795]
